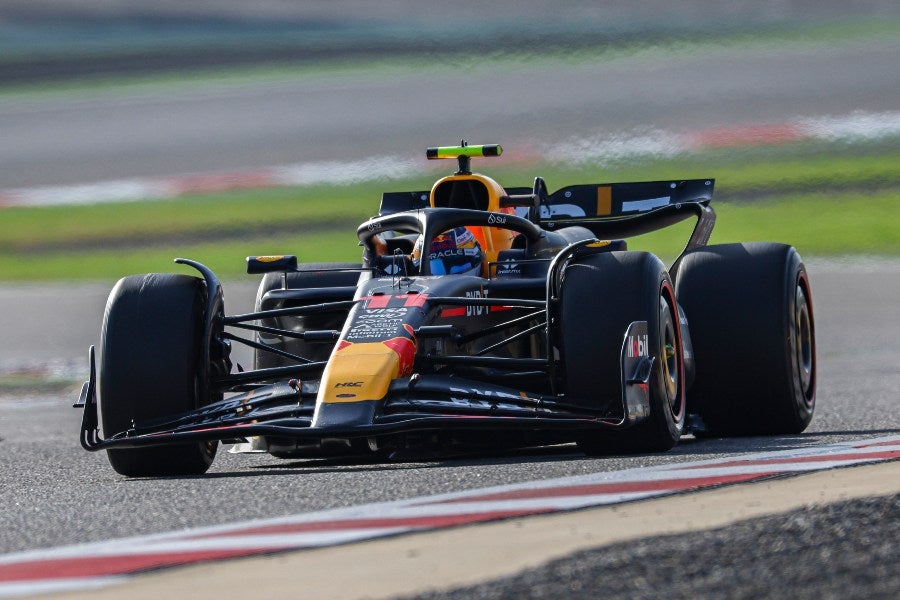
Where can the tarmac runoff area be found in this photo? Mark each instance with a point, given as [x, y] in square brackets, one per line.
[827, 534]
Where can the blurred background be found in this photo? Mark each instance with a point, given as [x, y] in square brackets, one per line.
[133, 131]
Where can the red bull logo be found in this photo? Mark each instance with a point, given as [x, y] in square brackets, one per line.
[406, 351]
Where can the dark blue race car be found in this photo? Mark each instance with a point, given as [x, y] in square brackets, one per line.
[481, 316]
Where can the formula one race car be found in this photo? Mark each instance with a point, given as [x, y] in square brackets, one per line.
[480, 317]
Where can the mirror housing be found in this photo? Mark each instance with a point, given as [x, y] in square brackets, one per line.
[271, 264]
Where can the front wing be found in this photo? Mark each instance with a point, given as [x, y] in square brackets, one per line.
[413, 404]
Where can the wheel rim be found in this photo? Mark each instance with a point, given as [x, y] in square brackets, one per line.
[671, 372]
[803, 343]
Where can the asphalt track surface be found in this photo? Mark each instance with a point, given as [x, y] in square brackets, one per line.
[54, 493]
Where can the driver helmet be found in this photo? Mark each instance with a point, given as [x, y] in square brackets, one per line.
[454, 252]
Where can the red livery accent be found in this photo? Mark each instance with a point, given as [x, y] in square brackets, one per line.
[626, 487]
[414, 300]
[423, 522]
[96, 566]
[380, 301]
[406, 350]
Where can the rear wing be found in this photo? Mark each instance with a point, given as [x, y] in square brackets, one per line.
[587, 201]
[612, 200]
[621, 210]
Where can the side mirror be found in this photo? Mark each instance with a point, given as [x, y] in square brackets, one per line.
[270, 264]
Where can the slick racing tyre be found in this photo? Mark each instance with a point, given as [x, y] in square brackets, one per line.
[307, 277]
[149, 368]
[749, 308]
[600, 296]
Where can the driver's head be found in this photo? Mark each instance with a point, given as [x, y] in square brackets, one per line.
[452, 252]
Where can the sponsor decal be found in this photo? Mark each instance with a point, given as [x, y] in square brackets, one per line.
[562, 210]
[406, 350]
[349, 384]
[496, 219]
[373, 226]
[509, 267]
[382, 322]
[649, 204]
[452, 243]
[384, 313]
[345, 396]
[477, 311]
[443, 241]
[446, 253]
[638, 345]
[376, 324]
[269, 259]
[473, 311]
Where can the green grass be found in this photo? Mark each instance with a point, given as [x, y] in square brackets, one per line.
[36, 383]
[816, 224]
[820, 224]
[226, 259]
[186, 216]
[826, 199]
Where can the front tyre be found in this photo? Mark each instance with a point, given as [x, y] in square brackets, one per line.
[750, 312]
[150, 368]
[601, 295]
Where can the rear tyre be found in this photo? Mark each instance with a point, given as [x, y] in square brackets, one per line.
[749, 307]
[149, 368]
[307, 277]
[600, 297]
